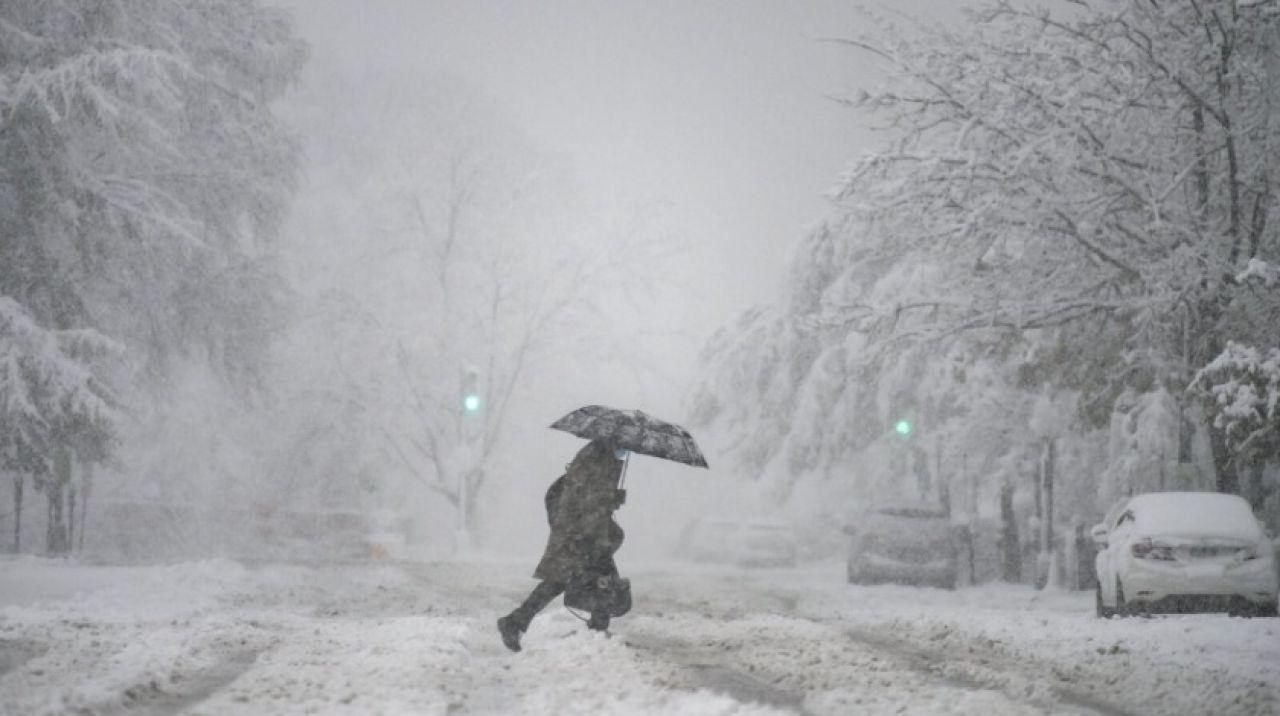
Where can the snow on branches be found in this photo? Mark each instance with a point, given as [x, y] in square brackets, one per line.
[1242, 389]
[145, 174]
[1074, 201]
[48, 392]
[1059, 169]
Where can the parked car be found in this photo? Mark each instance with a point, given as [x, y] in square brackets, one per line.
[743, 542]
[768, 543]
[903, 545]
[1181, 552]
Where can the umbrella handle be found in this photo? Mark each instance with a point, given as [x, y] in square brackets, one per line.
[622, 479]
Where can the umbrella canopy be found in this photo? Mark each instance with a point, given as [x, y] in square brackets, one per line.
[634, 430]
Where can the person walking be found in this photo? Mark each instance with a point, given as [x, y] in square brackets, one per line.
[584, 536]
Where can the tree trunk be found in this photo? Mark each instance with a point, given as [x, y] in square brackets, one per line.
[1051, 455]
[972, 531]
[1256, 491]
[71, 516]
[1044, 505]
[919, 462]
[1011, 548]
[59, 481]
[1223, 465]
[944, 497]
[19, 482]
[53, 517]
[1202, 165]
[86, 488]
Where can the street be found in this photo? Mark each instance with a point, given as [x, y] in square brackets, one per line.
[221, 637]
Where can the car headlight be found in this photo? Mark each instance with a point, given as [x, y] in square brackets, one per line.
[1246, 554]
[1146, 549]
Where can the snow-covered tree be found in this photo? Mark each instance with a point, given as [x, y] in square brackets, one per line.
[1054, 235]
[143, 178]
[50, 403]
[1240, 392]
[1241, 387]
[1099, 177]
[144, 172]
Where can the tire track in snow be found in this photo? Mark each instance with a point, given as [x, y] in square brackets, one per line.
[16, 652]
[988, 672]
[714, 675]
[151, 699]
[879, 668]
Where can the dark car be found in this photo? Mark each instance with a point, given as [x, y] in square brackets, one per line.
[903, 545]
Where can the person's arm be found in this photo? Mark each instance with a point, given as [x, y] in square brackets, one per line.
[553, 498]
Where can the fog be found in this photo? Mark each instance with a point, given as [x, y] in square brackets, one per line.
[714, 122]
[564, 198]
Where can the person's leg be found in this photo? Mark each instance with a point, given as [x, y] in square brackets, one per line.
[599, 621]
[538, 599]
[517, 622]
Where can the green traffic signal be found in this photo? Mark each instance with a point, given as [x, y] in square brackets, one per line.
[902, 427]
[471, 391]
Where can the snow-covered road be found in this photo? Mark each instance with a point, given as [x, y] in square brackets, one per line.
[219, 637]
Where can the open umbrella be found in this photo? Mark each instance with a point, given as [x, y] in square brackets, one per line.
[634, 430]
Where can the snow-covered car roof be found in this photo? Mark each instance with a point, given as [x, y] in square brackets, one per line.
[925, 512]
[1194, 514]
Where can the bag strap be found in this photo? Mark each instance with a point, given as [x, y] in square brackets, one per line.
[622, 479]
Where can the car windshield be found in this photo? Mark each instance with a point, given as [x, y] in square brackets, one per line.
[766, 533]
[1194, 514]
[907, 534]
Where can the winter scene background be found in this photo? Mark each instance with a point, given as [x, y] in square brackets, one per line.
[291, 290]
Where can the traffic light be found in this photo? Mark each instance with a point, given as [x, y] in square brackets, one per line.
[471, 391]
[902, 427]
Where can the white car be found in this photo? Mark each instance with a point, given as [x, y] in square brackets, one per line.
[1184, 551]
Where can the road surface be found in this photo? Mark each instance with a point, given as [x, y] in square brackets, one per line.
[223, 637]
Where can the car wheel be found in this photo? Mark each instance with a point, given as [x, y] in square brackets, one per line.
[1249, 610]
[1103, 612]
[1122, 609]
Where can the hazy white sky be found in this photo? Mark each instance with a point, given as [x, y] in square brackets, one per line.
[716, 107]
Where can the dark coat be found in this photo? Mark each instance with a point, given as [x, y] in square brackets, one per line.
[580, 509]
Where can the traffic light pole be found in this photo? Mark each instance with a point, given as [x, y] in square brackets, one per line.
[468, 425]
[462, 538]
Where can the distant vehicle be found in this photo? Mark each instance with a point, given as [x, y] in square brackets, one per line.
[1183, 552]
[741, 542]
[903, 545]
[768, 543]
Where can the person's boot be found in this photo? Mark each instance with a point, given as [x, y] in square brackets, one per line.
[599, 621]
[510, 629]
